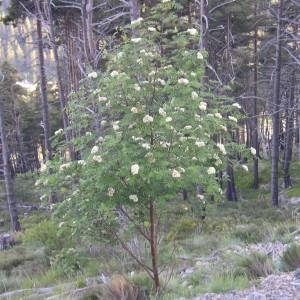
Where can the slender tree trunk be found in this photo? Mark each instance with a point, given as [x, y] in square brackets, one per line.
[203, 23]
[43, 88]
[289, 128]
[61, 89]
[254, 115]
[230, 190]
[11, 201]
[87, 16]
[298, 129]
[154, 246]
[276, 107]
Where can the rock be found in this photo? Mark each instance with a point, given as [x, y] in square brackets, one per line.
[274, 287]
[294, 200]
[2, 222]
[297, 274]
[6, 241]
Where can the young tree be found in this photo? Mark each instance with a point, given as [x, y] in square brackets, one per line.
[160, 125]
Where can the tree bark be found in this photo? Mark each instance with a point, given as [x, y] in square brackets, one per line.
[289, 127]
[230, 190]
[254, 115]
[61, 89]
[43, 86]
[276, 107]
[11, 201]
[153, 246]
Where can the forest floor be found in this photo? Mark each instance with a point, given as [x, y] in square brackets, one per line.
[244, 250]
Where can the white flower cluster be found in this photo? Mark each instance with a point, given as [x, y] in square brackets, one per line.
[176, 173]
[134, 110]
[199, 144]
[92, 75]
[200, 56]
[231, 118]
[218, 115]
[245, 167]
[59, 131]
[253, 151]
[211, 171]
[135, 169]
[183, 81]
[222, 148]
[134, 198]
[64, 166]
[114, 73]
[136, 40]
[110, 192]
[97, 158]
[203, 106]
[192, 31]
[102, 99]
[95, 149]
[115, 125]
[237, 105]
[147, 119]
[162, 112]
[137, 21]
[194, 95]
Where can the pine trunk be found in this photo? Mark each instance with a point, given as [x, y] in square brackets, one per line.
[61, 88]
[289, 128]
[276, 107]
[11, 201]
[43, 89]
[254, 115]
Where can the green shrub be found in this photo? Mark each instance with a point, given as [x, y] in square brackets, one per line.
[255, 265]
[291, 258]
[68, 261]
[181, 229]
[248, 233]
[45, 234]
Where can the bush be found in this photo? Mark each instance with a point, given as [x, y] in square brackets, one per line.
[291, 258]
[45, 234]
[68, 261]
[256, 265]
[181, 229]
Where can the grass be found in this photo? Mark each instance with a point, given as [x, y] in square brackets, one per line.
[290, 260]
[228, 227]
[294, 192]
[255, 265]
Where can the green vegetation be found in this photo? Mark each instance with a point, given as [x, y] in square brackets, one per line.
[158, 185]
[291, 258]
